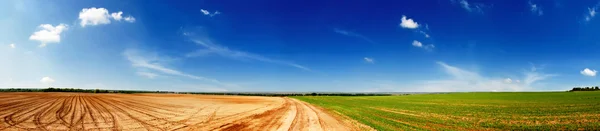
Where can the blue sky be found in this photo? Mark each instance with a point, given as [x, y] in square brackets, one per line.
[300, 45]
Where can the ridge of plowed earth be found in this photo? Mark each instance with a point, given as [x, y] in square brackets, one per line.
[84, 111]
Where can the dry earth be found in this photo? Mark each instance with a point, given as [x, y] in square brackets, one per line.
[80, 111]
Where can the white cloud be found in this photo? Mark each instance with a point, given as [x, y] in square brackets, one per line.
[98, 16]
[470, 7]
[369, 60]
[130, 19]
[348, 33]
[508, 80]
[212, 48]
[416, 43]
[147, 74]
[591, 13]
[588, 72]
[116, 15]
[48, 34]
[12, 45]
[535, 9]
[94, 16]
[206, 12]
[47, 80]
[408, 23]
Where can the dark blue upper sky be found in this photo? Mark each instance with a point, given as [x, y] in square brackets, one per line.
[300, 45]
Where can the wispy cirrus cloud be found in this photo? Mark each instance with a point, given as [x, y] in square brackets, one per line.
[152, 61]
[353, 34]
[465, 80]
[470, 7]
[212, 48]
[591, 13]
[369, 60]
[424, 34]
[535, 9]
[148, 75]
[508, 80]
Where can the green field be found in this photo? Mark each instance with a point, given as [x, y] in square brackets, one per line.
[470, 111]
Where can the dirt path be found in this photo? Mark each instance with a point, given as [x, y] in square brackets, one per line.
[80, 111]
[292, 115]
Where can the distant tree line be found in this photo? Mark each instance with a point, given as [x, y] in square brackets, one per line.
[20, 90]
[51, 89]
[287, 94]
[585, 89]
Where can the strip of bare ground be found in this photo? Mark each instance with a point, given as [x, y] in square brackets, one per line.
[80, 111]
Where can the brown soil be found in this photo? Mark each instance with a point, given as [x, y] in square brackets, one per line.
[80, 111]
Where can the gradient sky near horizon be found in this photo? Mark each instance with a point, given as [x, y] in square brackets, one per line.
[300, 45]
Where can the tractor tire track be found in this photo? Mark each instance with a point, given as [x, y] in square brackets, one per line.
[10, 119]
[86, 111]
[39, 115]
[102, 110]
[121, 110]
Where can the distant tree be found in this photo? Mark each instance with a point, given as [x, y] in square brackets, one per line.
[592, 88]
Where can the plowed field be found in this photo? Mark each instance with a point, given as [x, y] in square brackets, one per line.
[80, 111]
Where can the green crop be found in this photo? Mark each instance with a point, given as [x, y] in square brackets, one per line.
[470, 111]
